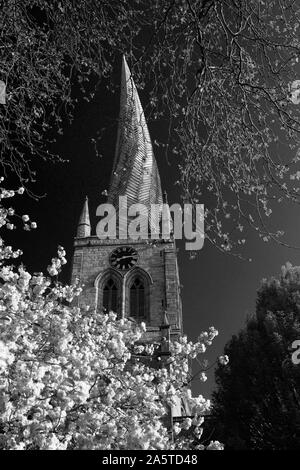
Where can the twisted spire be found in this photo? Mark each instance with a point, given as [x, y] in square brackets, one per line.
[135, 173]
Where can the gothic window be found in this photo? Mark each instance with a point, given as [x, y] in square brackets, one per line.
[110, 296]
[137, 299]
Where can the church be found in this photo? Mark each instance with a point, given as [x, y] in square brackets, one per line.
[135, 278]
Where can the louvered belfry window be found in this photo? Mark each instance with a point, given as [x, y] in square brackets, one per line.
[110, 296]
[137, 299]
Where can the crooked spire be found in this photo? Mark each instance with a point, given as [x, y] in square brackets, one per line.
[84, 224]
[135, 173]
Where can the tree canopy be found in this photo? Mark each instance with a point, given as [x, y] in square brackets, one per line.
[257, 404]
[222, 75]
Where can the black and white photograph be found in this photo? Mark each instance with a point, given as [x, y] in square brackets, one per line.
[149, 228]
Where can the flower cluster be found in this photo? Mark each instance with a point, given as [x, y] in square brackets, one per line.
[224, 360]
[6, 214]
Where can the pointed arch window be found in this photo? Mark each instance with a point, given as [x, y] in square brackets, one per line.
[138, 299]
[110, 296]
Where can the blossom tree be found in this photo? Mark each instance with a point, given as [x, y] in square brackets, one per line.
[223, 74]
[71, 378]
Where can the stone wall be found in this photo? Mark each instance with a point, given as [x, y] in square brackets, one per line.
[159, 261]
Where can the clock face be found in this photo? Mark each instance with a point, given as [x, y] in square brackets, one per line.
[123, 258]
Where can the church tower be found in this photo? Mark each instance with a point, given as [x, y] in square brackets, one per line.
[136, 278]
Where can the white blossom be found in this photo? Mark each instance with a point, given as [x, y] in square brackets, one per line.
[224, 360]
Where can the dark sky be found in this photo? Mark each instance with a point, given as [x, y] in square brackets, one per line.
[218, 289]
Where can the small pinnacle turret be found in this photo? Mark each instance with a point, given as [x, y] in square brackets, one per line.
[84, 225]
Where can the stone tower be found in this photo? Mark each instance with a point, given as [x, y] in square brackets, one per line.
[136, 278]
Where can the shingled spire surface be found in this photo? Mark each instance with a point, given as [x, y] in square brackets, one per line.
[135, 173]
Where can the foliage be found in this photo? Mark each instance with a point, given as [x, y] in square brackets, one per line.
[257, 401]
[223, 74]
[72, 378]
[46, 47]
